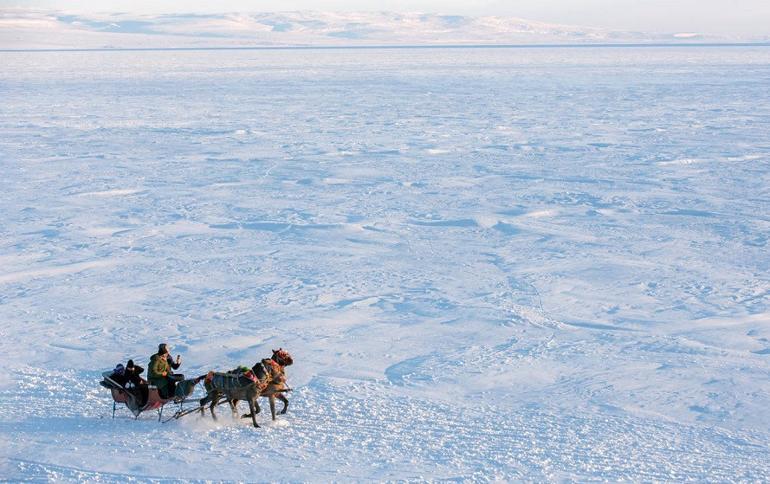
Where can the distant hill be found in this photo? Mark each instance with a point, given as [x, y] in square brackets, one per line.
[22, 28]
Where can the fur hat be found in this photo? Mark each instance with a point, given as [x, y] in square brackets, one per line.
[162, 349]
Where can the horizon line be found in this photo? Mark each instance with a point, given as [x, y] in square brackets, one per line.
[394, 46]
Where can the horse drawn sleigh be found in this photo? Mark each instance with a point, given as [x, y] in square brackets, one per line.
[267, 378]
[143, 397]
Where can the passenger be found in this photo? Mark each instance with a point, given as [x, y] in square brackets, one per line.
[132, 373]
[139, 384]
[123, 375]
[118, 375]
[171, 362]
[161, 372]
[128, 377]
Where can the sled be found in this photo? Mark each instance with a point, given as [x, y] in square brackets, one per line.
[127, 396]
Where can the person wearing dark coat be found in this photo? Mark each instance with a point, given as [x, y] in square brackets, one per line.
[128, 377]
[123, 375]
[132, 373]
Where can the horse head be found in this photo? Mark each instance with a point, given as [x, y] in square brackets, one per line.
[282, 357]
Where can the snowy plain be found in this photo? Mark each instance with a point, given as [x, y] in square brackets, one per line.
[489, 264]
[33, 28]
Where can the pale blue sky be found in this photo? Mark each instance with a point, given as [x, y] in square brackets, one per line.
[742, 17]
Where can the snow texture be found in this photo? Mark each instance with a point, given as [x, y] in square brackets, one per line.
[488, 264]
[25, 29]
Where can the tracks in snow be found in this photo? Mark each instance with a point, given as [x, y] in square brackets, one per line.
[340, 429]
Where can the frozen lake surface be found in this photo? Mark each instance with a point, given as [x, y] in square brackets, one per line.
[537, 264]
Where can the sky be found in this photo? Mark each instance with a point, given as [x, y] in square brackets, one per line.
[741, 17]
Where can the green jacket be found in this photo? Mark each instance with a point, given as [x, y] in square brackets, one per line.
[158, 370]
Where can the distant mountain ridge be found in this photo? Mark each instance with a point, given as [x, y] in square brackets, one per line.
[23, 28]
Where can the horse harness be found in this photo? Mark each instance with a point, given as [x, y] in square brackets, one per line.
[258, 375]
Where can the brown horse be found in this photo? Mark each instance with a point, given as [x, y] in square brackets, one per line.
[237, 385]
[276, 387]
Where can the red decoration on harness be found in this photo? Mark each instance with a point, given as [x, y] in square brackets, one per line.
[274, 367]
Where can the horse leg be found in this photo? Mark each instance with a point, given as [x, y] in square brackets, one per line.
[252, 402]
[211, 407]
[271, 399]
[203, 401]
[285, 401]
[256, 406]
[233, 407]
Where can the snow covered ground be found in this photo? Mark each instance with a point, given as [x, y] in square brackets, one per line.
[29, 28]
[534, 264]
